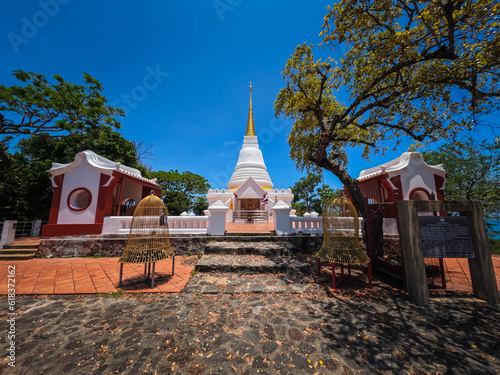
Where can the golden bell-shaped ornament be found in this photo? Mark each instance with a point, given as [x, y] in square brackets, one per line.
[341, 234]
[148, 241]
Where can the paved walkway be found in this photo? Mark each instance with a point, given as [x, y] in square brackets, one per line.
[255, 228]
[92, 275]
[187, 333]
[457, 273]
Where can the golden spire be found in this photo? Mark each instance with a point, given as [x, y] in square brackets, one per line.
[250, 124]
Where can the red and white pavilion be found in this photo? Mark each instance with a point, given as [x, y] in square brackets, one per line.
[90, 188]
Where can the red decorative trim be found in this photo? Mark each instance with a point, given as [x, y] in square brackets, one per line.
[102, 202]
[390, 190]
[56, 199]
[439, 181]
[53, 230]
[134, 179]
[146, 190]
[419, 189]
[378, 177]
[68, 200]
[396, 181]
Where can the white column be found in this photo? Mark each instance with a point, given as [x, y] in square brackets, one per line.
[282, 221]
[8, 232]
[217, 218]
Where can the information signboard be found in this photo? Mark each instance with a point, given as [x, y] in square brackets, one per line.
[445, 237]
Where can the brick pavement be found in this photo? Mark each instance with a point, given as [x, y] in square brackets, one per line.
[254, 228]
[91, 275]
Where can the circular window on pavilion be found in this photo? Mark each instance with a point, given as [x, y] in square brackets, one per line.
[79, 199]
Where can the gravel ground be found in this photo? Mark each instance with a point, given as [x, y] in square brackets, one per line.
[350, 332]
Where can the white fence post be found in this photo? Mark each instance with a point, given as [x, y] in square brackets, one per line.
[217, 218]
[8, 232]
[282, 220]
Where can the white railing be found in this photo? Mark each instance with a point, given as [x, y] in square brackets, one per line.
[311, 224]
[249, 215]
[188, 224]
[307, 224]
[176, 225]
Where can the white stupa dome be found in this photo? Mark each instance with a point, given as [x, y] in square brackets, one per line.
[250, 161]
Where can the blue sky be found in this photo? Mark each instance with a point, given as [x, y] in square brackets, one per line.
[180, 69]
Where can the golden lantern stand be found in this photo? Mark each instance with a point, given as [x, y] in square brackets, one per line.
[341, 239]
[148, 240]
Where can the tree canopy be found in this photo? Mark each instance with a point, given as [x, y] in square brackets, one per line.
[183, 191]
[309, 195]
[473, 173]
[42, 106]
[415, 70]
[26, 190]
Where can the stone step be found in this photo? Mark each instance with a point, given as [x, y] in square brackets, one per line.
[249, 237]
[252, 264]
[18, 251]
[215, 283]
[267, 249]
[14, 246]
[19, 256]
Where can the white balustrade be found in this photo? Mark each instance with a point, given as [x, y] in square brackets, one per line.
[176, 225]
[307, 224]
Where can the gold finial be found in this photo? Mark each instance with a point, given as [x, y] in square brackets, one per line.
[250, 124]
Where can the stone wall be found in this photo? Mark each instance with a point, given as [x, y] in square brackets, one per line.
[80, 246]
[114, 245]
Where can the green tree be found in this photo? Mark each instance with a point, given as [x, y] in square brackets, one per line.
[103, 140]
[308, 196]
[416, 71]
[42, 106]
[325, 193]
[26, 190]
[183, 191]
[473, 173]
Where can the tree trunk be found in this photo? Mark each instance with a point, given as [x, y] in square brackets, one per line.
[351, 184]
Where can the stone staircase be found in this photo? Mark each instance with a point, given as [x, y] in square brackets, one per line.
[252, 265]
[250, 258]
[18, 251]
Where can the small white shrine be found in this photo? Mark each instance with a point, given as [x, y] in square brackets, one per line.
[91, 188]
[407, 177]
[250, 196]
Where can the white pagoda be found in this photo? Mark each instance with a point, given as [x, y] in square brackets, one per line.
[250, 195]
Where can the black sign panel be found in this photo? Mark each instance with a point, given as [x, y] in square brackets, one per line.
[445, 237]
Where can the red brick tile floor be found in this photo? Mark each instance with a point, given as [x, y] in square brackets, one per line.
[91, 276]
[457, 273]
[254, 228]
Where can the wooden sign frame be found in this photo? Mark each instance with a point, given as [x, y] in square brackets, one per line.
[483, 279]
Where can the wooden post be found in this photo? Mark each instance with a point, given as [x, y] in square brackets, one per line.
[443, 274]
[411, 251]
[481, 269]
[153, 276]
[370, 275]
[334, 284]
[121, 273]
